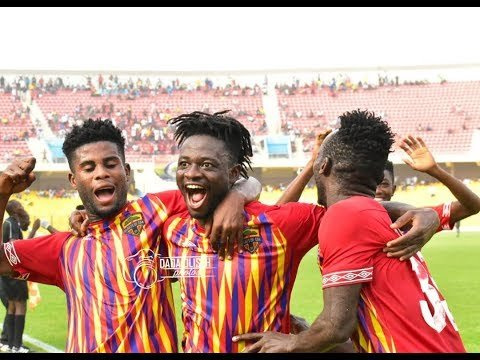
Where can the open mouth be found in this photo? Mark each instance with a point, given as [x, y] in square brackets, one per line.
[105, 194]
[196, 195]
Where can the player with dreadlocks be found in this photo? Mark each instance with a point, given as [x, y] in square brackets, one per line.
[251, 292]
[118, 300]
[383, 304]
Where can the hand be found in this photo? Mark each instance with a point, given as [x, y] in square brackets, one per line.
[318, 142]
[424, 224]
[297, 324]
[17, 177]
[78, 222]
[269, 341]
[36, 225]
[226, 230]
[420, 157]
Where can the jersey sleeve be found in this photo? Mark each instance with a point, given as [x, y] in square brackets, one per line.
[348, 241]
[173, 201]
[299, 222]
[37, 259]
[443, 211]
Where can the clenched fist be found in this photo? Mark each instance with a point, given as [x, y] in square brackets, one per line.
[17, 176]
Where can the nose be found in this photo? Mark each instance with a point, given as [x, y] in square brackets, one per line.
[192, 172]
[101, 172]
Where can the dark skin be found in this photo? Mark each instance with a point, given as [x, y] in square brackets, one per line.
[205, 173]
[386, 188]
[338, 319]
[420, 159]
[419, 224]
[92, 173]
[17, 177]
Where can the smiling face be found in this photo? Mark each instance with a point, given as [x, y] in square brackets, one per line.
[205, 173]
[386, 188]
[101, 178]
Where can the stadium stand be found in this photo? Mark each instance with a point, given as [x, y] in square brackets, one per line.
[437, 111]
[144, 118]
[16, 127]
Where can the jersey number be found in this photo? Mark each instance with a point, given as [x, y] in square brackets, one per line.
[437, 320]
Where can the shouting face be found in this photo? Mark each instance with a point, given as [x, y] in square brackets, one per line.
[205, 173]
[101, 178]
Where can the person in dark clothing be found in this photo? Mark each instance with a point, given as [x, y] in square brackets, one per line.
[15, 291]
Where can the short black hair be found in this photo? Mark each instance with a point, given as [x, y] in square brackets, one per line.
[225, 128]
[92, 131]
[360, 148]
[12, 205]
[389, 168]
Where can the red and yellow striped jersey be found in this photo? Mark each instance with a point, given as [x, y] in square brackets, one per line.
[117, 299]
[250, 293]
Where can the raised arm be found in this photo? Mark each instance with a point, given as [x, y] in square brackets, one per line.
[296, 187]
[14, 179]
[421, 159]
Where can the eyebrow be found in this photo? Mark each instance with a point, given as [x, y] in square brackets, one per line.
[91, 162]
[203, 158]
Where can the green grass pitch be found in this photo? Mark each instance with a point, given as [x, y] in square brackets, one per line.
[450, 259]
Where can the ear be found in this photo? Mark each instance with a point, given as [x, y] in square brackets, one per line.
[394, 188]
[128, 171]
[73, 182]
[233, 174]
[325, 166]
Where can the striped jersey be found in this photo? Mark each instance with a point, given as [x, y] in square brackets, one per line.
[250, 293]
[117, 300]
[400, 308]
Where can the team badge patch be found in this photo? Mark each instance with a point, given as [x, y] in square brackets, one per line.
[251, 239]
[133, 225]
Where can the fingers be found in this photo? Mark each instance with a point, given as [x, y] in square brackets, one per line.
[421, 142]
[232, 240]
[247, 337]
[405, 253]
[240, 241]
[221, 248]
[408, 162]
[403, 220]
[84, 227]
[28, 164]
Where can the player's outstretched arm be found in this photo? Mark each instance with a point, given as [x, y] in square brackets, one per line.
[421, 159]
[331, 328]
[296, 187]
[226, 228]
[14, 179]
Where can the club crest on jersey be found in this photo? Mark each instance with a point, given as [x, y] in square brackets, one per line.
[251, 239]
[133, 225]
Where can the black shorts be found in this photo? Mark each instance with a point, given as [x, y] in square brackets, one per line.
[15, 289]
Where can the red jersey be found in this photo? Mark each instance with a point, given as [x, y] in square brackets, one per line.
[116, 299]
[400, 308]
[250, 293]
[443, 211]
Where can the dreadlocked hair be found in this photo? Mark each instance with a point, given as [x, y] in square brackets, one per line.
[225, 128]
[361, 147]
[92, 131]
